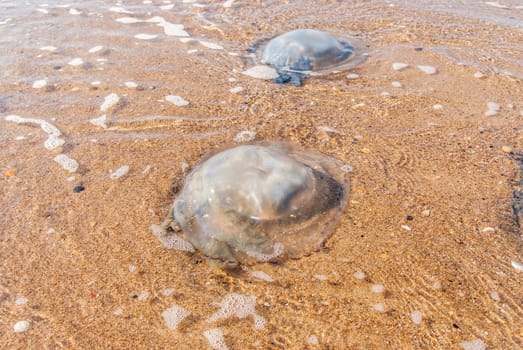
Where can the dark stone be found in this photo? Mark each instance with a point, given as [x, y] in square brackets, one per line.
[418, 49]
[78, 188]
[410, 217]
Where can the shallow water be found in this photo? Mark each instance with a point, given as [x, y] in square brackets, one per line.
[428, 253]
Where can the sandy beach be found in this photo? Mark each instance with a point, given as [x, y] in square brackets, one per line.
[102, 117]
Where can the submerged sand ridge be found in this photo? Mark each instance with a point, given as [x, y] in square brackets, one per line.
[427, 253]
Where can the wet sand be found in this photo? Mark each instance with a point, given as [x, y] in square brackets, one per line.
[425, 255]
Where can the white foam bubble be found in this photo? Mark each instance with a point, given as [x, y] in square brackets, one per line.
[118, 312]
[238, 305]
[167, 291]
[496, 4]
[119, 9]
[96, 82]
[176, 100]
[76, 62]
[313, 340]
[121, 171]
[44, 11]
[109, 101]
[167, 7]
[277, 250]
[211, 45]
[493, 106]
[131, 84]
[100, 121]
[377, 288]
[21, 301]
[359, 275]
[478, 75]
[173, 29]
[428, 69]
[174, 315]
[215, 338]
[416, 317]
[143, 296]
[396, 84]
[38, 84]
[378, 307]
[495, 296]
[262, 276]
[21, 326]
[517, 265]
[171, 240]
[95, 49]
[66, 162]
[261, 72]
[74, 12]
[128, 20]
[476, 344]
[143, 36]
[399, 65]
[244, 136]
[236, 89]
[437, 107]
[48, 48]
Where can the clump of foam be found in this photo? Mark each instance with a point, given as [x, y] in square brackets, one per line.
[238, 305]
[244, 136]
[53, 141]
[171, 241]
[66, 162]
[215, 338]
[109, 101]
[174, 315]
[476, 344]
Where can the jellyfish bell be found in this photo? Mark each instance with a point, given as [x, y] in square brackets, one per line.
[261, 202]
[296, 54]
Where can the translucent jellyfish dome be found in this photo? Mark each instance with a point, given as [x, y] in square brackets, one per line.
[300, 52]
[261, 202]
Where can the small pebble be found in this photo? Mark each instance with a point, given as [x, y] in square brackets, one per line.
[39, 84]
[76, 62]
[10, 172]
[353, 76]
[366, 150]
[78, 189]
[21, 326]
[425, 213]
[428, 69]
[493, 106]
[236, 89]
[399, 65]
[410, 217]
[176, 100]
[396, 84]
[506, 149]
[131, 84]
[406, 227]
[478, 75]
[437, 106]
[121, 171]
[321, 277]
[143, 36]
[495, 296]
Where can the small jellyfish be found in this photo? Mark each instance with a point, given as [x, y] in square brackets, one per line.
[261, 202]
[297, 53]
